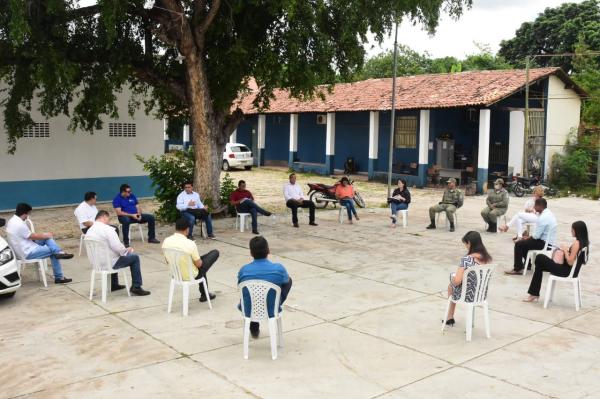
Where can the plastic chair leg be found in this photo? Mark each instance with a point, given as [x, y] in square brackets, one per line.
[340, 217]
[446, 315]
[171, 290]
[486, 318]
[104, 286]
[92, 282]
[246, 337]
[141, 232]
[404, 218]
[81, 243]
[548, 292]
[126, 282]
[242, 222]
[273, 337]
[207, 294]
[579, 291]
[279, 332]
[576, 294]
[469, 322]
[528, 261]
[42, 265]
[186, 298]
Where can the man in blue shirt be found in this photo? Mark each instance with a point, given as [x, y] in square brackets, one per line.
[128, 211]
[263, 269]
[545, 230]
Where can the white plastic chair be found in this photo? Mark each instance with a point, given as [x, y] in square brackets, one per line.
[139, 225]
[98, 254]
[341, 214]
[547, 250]
[22, 260]
[576, 281]
[175, 258]
[501, 216]
[447, 221]
[81, 242]
[241, 220]
[258, 290]
[404, 213]
[482, 275]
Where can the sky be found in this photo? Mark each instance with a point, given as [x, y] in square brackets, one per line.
[487, 22]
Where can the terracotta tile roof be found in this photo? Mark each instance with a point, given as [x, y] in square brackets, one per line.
[473, 88]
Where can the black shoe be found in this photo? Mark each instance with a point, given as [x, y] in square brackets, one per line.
[451, 226]
[139, 291]
[296, 225]
[212, 237]
[267, 213]
[254, 329]
[153, 241]
[255, 232]
[210, 295]
[450, 322]
[491, 228]
[116, 287]
[63, 280]
[313, 224]
[431, 226]
[63, 255]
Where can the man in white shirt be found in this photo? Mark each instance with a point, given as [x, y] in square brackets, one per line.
[121, 257]
[35, 245]
[86, 212]
[294, 199]
[191, 208]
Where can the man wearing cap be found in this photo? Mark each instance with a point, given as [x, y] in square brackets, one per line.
[497, 205]
[451, 201]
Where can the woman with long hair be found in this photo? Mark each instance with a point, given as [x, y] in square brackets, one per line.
[477, 254]
[563, 259]
[399, 200]
[344, 192]
[528, 215]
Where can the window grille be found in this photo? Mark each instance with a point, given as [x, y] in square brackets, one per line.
[405, 132]
[118, 129]
[37, 130]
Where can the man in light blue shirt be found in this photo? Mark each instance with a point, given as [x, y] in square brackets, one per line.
[192, 208]
[545, 230]
[263, 269]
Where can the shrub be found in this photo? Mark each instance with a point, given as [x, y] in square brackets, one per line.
[225, 190]
[571, 170]
[168, 173]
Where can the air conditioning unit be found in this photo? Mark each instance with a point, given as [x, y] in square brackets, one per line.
[321, 119]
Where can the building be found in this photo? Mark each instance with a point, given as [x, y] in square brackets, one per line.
[53, 166]
[467, 124]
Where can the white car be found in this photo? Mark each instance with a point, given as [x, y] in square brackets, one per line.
[237, 155]
[10, 281]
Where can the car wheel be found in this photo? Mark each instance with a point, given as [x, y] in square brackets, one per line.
[9, 295]
[248, 167]
[226, 166]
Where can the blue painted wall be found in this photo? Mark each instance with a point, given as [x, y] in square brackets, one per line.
[277, 137]
[311, 138]
[69, 191]
[244, 130]
[352, 139]
[464, 131]
[401, 155]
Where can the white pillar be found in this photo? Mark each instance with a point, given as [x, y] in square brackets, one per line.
[186, 135]
[165, 134]
[330, 144]
[516, 141]
[262, 124]
[373, 142]
[483, 154]
[293, 139]
[233, 137]
[424, 137]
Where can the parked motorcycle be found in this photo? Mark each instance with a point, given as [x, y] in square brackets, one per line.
[323, 194]
[524, 185]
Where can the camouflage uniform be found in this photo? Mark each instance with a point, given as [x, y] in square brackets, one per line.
[500, 200]
[451, 201]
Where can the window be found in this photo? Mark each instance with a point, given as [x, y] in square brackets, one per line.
[405, 132]
[37, 130]
[117, 129]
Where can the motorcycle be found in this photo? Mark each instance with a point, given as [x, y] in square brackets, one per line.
[323, 194]
[524, 185]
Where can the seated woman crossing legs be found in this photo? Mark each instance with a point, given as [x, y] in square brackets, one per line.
[344, 192]
[399, 200]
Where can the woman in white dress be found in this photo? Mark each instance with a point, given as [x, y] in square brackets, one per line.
[526, 216]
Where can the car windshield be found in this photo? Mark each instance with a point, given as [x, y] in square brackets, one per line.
[239, 148]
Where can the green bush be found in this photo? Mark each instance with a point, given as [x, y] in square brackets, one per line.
[168, 173]
[571, 169]
[225, 190]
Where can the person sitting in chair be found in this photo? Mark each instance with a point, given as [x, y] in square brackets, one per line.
[191, 208]
[344, 192]
[497, 205]
[399, 200]
[528, 215]
[128, 211]
[243, 201]
[86, 212]
[451, 201]
[294, 199]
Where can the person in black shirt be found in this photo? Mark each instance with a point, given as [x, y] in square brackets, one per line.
[399, 200]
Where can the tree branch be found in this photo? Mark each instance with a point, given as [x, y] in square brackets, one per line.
[201, 29]
[150, 76]
[82, 12]
[232, 121]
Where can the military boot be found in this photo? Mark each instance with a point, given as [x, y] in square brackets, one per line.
[451, 226]
[432, 225]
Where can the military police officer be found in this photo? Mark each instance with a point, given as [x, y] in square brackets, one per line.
[497, 205]
[451, 201]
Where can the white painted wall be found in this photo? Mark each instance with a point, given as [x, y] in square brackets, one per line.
[66, 155]
[516, 141]
[562, 115]
[424, 136]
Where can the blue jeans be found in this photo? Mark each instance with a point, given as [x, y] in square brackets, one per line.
[47, 249]
[133, 262]
[349, 204]
[395, 207]
[192, 214]
[126, 221]
[253, 209]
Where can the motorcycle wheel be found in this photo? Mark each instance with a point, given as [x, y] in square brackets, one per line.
[359, 200]
[317, 197]
[519, 190]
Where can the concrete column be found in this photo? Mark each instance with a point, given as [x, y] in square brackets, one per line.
[424, 118]
[484, 150]
[262, 124]
[516, 141]
[373, 142]
[293, 139]
[165, 135]
[330, 144]
[186, 136]
[233, 137]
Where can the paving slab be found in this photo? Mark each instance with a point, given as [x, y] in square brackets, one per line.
[323, 361]
[588, 323]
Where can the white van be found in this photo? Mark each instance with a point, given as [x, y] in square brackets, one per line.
[237, 155]
[10, 281]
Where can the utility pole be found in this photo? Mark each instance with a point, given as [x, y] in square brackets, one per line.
[598, 169]
[391, 149]
[527, 127]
